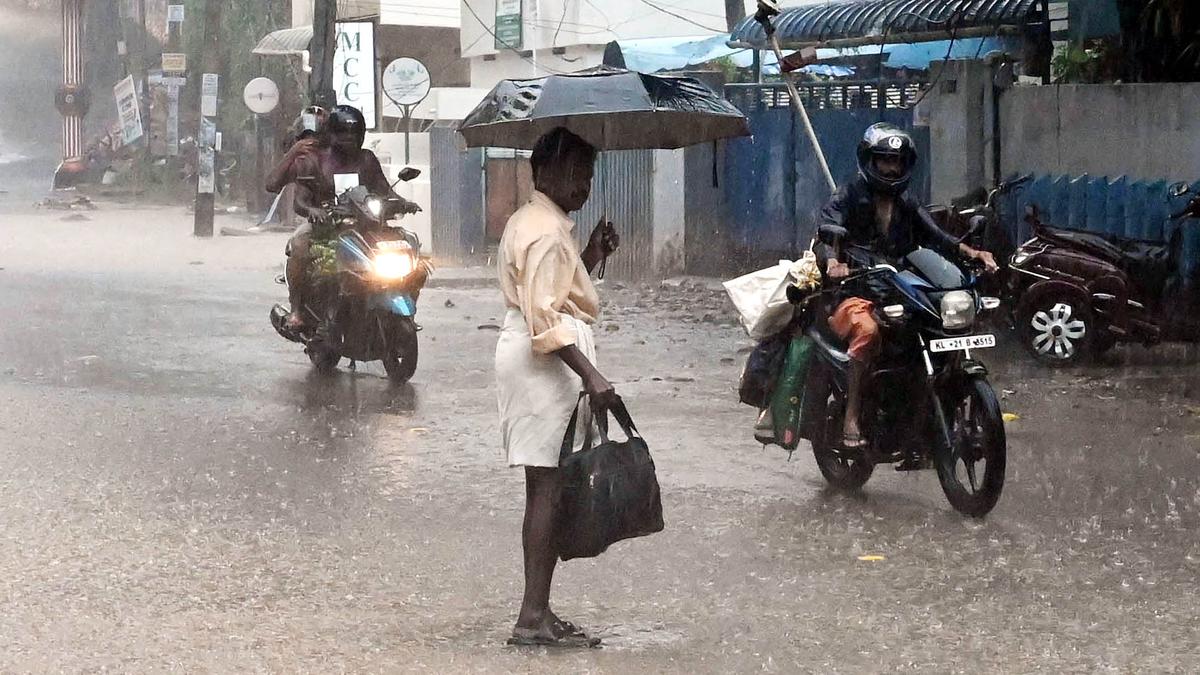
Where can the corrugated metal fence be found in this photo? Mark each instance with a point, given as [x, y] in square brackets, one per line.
[623, 192]
[1115, 207]
[456, 210]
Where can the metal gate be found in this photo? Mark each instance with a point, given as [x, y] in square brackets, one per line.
[456, 211]
[773, 184]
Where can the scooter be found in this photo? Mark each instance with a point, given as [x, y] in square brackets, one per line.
[1077, 294]
[362, 303]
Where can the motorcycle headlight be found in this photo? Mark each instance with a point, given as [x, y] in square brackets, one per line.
[375, 207]
[394, 265]
[958, 310]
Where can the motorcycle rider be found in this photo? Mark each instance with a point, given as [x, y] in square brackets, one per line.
[316, 165]
[878, 215]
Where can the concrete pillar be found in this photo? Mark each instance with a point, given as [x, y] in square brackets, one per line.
[957, 129]
[72, 99]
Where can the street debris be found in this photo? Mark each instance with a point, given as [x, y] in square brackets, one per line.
[53, 203]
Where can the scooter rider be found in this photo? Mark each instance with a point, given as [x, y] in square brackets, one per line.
[878, 216]
[315, 165]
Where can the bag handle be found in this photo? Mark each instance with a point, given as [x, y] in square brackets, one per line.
[621, 414]
[568, 444]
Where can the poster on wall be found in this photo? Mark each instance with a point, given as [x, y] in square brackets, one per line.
[128, 110]
[354, 67]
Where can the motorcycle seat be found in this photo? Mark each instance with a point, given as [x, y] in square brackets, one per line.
[1116, 250]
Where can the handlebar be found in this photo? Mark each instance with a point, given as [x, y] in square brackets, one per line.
[1192, 210]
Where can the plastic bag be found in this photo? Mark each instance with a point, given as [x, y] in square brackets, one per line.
[788, 398]
[761, 297]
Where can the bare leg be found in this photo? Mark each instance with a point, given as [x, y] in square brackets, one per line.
[858, 374]
[297, 275]
[542, 488]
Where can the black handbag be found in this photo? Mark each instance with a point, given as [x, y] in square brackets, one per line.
[609, 492]
[762, 371]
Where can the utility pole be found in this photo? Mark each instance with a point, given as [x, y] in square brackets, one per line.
[206, 153]
[324, 42]
[735, 11]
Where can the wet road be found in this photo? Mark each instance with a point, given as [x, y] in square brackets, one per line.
[181, 493]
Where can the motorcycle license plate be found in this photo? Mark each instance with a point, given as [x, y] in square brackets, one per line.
[961, 343]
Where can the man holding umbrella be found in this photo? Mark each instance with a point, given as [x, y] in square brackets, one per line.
[545, 358]
[546, 350]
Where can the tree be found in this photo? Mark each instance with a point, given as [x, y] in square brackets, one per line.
[1161, 40]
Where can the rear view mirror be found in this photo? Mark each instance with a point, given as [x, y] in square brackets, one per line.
[408, 173]
[1180, 189]
[976, 225]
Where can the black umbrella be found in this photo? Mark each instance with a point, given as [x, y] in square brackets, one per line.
[610, 108]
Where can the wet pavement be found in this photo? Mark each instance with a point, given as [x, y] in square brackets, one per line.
[181, 493]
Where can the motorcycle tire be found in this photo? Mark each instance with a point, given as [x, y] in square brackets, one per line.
[323, 359]
[977, 434]
[401, 359]
[1056, 327]
[847, 475]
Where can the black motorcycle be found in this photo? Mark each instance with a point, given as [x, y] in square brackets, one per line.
[927, 403]
[361, 301]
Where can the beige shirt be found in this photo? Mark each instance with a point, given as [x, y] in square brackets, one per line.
[542, 275]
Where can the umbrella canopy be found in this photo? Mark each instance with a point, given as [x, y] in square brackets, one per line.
[610, 108]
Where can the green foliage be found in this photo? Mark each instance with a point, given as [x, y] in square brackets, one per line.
[243, 24]
[1075, 64]
[323, 256]
[1161, 39]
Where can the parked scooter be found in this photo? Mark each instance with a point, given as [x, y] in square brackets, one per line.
[362, 306]
[1077, 294]
[928, 402]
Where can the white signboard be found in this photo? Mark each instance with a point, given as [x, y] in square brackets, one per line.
[208, 94]
[344, 181]
[406, 82]
[128, 110]
[354, 67]
[173, 121]
[175, 14]
[261, 95]
[207, 174]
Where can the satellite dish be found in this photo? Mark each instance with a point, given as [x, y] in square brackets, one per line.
[406, 82]
[261, 95]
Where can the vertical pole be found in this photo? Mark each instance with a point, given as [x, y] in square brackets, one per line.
[206, 160]
[324, 42]
[144, 49]
[407, 134]
[73, 167]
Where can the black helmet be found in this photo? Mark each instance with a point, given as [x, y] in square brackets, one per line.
[347, 118]
[885, 139]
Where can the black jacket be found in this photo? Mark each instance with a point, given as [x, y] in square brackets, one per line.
[853, 208]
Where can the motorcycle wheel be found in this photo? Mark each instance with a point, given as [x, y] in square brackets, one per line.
[977, 436]
[1103, 343]
[401, 359]
[847, 475]
[1056, 328]
[323, 359]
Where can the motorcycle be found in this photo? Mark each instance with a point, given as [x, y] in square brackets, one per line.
[927, 402]
[1077, 294]
[363, 305]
